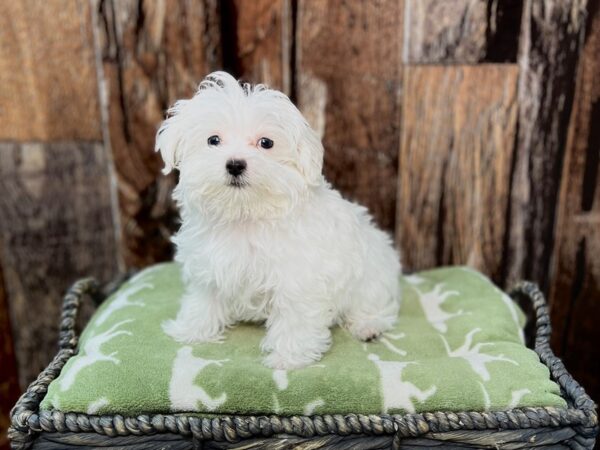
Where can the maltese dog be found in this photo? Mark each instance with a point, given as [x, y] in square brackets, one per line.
[264, 237]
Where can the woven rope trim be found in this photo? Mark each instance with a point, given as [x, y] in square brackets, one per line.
[28, 420]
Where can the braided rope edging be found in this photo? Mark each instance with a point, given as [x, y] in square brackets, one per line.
[27, 420]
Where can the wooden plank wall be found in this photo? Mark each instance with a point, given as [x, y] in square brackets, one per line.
[151, 54]
[468, 127]
[575, 272]
[351, 97]
[55, 224]
[455, 164]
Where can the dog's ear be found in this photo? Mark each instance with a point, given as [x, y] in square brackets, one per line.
[169, 137]
[311, 151]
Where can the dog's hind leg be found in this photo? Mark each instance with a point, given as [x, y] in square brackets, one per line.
[373, 310]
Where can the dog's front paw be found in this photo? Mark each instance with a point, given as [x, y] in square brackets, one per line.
[189, 333]
[368, 330]
[276, 360]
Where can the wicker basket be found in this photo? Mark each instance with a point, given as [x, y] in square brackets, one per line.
[573, 427]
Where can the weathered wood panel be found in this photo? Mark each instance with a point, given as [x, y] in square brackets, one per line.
[454, 165]
[47, 71]
[461, 31]
[445, 31]
[56, 225]
[258, 39]
[575, 284]
[348, 85]
[9, 384]
[152, 53]
[550, 42]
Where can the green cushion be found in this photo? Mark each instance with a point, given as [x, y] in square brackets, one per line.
[457, 347]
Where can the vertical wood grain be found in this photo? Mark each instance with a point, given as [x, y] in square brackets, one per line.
[348, 85]
[445, 31]
[259, 35]
[47, 71]
[575, 281]
[550, 42]
[57, 220]
[56, 225]
[152, 54]
[454, 165]
[461, 31]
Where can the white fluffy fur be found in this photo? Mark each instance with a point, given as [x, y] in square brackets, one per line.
[285, 248]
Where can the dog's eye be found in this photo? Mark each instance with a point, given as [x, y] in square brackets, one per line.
[265, 143]
[214, 140]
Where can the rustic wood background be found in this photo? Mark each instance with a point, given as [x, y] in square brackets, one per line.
[470, 128]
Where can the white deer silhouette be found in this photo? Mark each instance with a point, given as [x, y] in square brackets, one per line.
[515, 397]
[487, 403]
[431, 303]
[396, 392]
[472, 355]
[385, 341]
[91, 353]
[122, 300]
[309, 408]
[183, 392]
[510, 304]
[95, 406]
[281, 379]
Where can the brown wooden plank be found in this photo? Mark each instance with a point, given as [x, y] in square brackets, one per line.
[153, 53]
[454, 164]
[9, 383]
[47, 71]
[56, 225]
[461, 31]
[258, 40]
[575, 286]
[445, 31]
[348, 83]
[550, 42]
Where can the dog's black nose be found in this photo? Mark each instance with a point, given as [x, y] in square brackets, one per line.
[236, 167]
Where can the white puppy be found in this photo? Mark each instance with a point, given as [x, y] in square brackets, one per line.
[264, 237]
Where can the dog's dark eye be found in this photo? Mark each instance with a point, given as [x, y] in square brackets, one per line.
[265, 143]
[214, 140]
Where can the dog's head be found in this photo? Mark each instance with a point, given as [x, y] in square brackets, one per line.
[242, 151]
